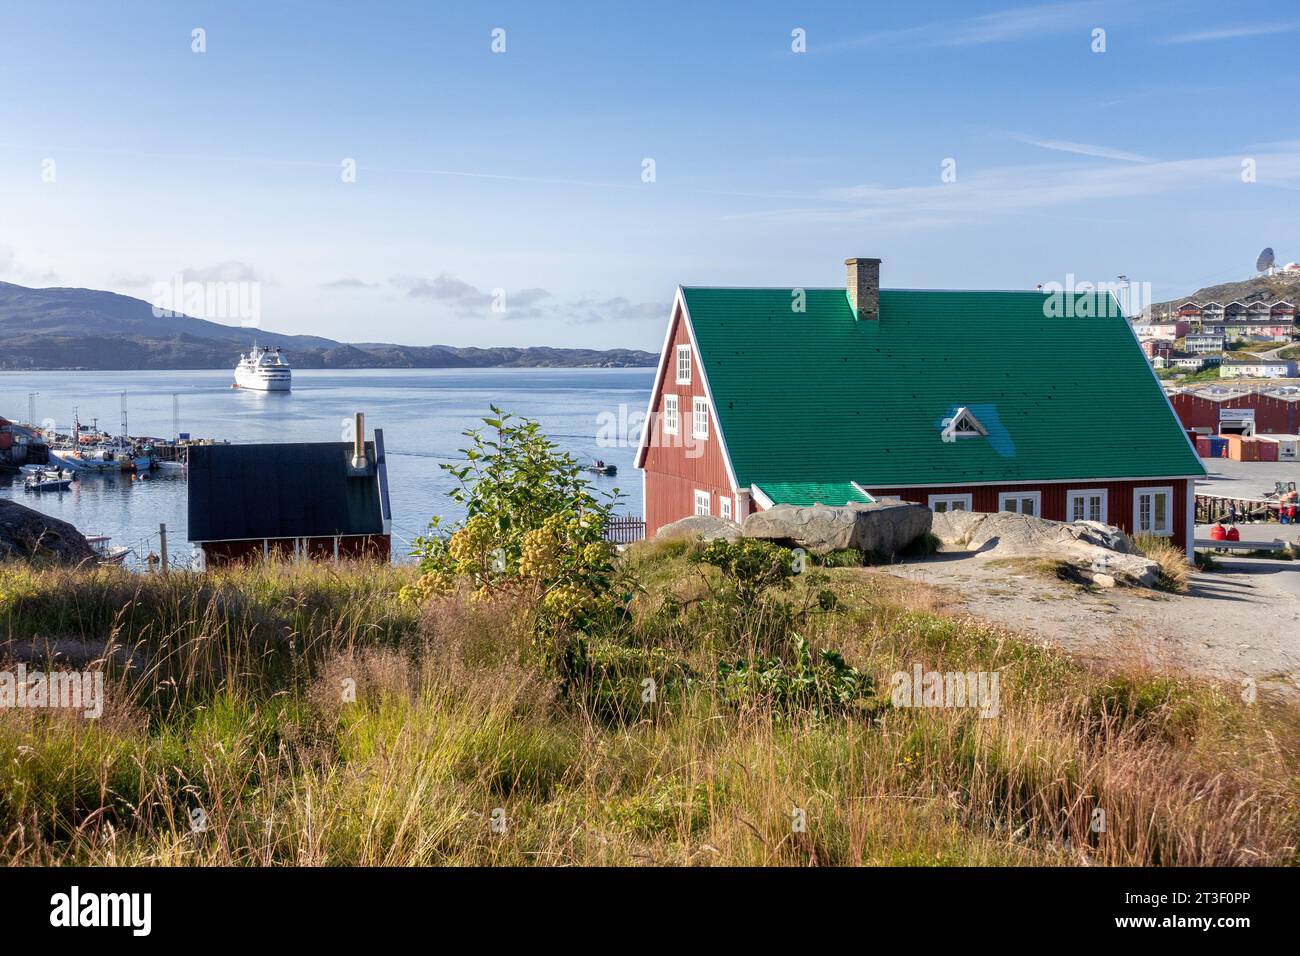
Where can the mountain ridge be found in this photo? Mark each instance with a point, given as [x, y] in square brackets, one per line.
[73, 328]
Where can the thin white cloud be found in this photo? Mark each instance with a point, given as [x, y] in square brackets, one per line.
[232, 270]
[12, 270]
[1087, 149]
[1001, 26]
[1233, 33]
[1020, 189]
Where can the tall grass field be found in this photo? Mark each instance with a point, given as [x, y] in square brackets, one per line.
[731, 710]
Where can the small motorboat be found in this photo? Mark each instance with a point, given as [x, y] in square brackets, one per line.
[49, 480]
[600, 468]
[106, 553]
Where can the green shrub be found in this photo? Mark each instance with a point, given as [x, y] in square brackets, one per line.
[821, 683]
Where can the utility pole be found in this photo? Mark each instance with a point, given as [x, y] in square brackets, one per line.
[162, 546]
[124, 433]
[176, 417]
[31, 408]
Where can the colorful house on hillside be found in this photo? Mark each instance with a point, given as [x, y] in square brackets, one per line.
[1033, 402]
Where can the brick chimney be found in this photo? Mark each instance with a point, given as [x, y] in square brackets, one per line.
[863, 286]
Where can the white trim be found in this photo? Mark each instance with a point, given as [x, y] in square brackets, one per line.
[1189, 547]
[1087, 493]
[760, 497]
[863, 491]
[677, 414]
[1029, 481]
[1169, 510]
[964, 498]
[1035, 496]
[680, 300]
[699, 403]
[708, 503]
[677, 364]
[647, 432]
[726, 509]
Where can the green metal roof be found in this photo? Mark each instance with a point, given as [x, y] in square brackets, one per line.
[819, 396]
[813, 492]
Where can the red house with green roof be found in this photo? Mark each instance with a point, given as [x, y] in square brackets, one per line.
[1036, 402]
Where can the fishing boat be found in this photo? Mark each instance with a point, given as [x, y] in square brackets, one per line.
[263, 370]
[83, 463]
[105, 552]
[600, 468]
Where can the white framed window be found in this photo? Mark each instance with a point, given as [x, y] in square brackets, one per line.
[702, 502]
[700, 417]
[671, 419]
[683, 365]
[942, 503]
[724, 508]
[1086, 504]
[1022, 502]
[1153, 511]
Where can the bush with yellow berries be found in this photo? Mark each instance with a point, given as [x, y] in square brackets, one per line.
[532, 527]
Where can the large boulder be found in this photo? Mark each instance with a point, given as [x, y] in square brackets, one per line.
[1090, 546]
[27, 535]
[882, 527]
[699, 528]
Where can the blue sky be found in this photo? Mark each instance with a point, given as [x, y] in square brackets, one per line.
[522, 171]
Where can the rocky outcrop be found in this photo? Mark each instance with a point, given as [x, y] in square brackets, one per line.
[883, 527]
[27, 535]
[699, 527]
[1101, 553]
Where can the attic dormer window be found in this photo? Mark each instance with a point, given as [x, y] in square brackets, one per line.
[962, 424]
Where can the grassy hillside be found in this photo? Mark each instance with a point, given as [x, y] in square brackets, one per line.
[235, 703]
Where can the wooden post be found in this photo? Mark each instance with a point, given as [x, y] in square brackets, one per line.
[162, 546]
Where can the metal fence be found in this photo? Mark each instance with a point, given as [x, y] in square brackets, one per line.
[624, 529]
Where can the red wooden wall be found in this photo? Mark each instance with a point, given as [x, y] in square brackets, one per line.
[377, 547]
[1273, 416]
[678, 465]
[1119, 499]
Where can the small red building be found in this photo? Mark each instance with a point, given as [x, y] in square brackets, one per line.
[971, 400]
[309, 501]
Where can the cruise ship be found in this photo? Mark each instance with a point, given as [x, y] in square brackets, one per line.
[263, 370]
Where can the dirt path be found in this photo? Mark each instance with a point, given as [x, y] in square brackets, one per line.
[1233, 624]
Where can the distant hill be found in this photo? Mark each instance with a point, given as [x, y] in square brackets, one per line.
[85, 328]
[1283, 285]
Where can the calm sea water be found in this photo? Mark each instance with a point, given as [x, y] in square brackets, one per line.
[422, 413]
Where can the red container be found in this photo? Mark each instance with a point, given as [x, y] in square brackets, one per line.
[1267, 450]
[1203, 446]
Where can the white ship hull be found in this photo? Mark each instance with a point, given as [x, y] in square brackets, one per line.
[263, 379]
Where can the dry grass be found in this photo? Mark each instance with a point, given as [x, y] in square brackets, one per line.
[314, 720]
[1175, 572]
